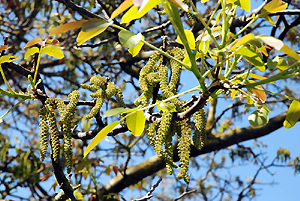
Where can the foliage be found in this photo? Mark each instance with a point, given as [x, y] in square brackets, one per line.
[86, 60]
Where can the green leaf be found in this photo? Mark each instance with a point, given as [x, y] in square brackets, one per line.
[67, 27]
[53, 51]
[135, 50]
[246, 52]
[31, 51]
[257, 62]
[93, 24]
[99, 137]
[259, 117]
[293, 114]
[85, 36]
[119, 110]
[166, 107]
[136, 122]
[129, 39]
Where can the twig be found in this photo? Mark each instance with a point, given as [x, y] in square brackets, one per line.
[148, 195]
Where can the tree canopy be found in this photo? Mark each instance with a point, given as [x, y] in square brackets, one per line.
[100, 97]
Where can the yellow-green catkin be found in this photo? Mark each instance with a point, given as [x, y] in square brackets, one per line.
[44, 134]
[148, 80]
[100, 95]
[184, 150]
[67, 128]
[161, 138]
[54, 135]
[199, 136]
[191, 17]
[151, 131]
[179, 54]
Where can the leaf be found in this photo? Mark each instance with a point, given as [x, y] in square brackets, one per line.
[273, 7]
[8, 58]
[85, 36]
[53, 41]
[135, 50]
[119, 110]
[136, 122]
[129, 39]
[258, 77]
[53, 51]
[3, 47]
[246, 52]
[94, 23]
[99, 137]
[67, 27]
[243, 40]
[135, 13]
[293, 114]
[180, 4]
[190, 38]
[31, 51]
[166, 107]
[279, 46]
[32, 42]
[257, 62]
[261, 95]
[124, 6]
[244, 4]
[259, 117]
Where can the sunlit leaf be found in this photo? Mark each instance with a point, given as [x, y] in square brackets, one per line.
[273, 7]
[245, 51]
[187, 60]
[180, 4]
[31, 51]
[8, 58]
[67, 27]
[244, 4]
[53, 51]
[85, 36]
[129, 39]
[293, 114]
[259, 117]
[93, 24]
[136, 122]
[124, 6]
[255, 76]
[3, 47]
[243, 40]
[135, 50]
[261, 95]
[269, 19]
[135, 13]
[166, 107]
[190, 38]
[279, 46]
[99, 137]
[32, 42]
[257, 62]
[116, 111]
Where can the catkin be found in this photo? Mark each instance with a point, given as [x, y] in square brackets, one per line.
[44, 134]
[199, 136]
[184, 150]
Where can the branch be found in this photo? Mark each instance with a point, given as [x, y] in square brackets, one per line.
[154, 164]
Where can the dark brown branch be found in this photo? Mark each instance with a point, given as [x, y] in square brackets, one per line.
[154, 164]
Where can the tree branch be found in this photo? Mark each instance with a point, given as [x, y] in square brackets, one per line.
[154, 164]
